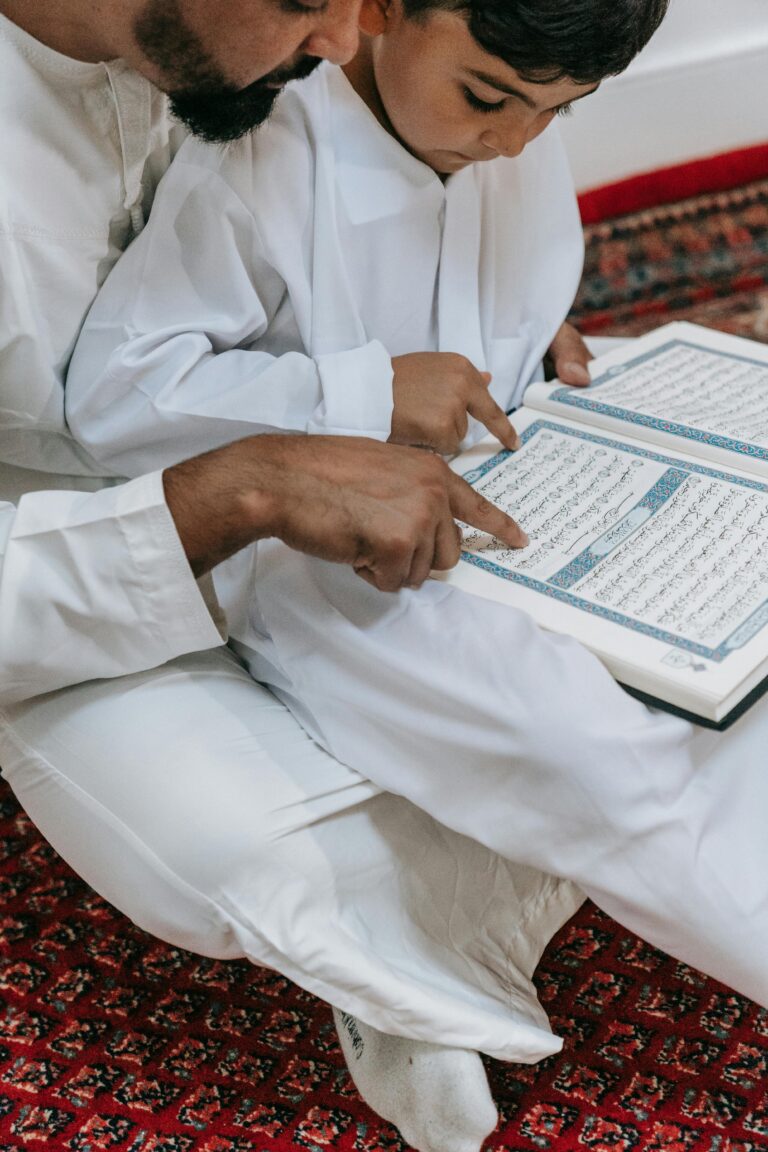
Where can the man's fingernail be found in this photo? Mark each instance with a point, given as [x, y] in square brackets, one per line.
[524, 541]
[576, 372]
[515, 441]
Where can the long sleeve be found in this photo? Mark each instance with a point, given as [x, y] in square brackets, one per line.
[94, 584]
[192, 342]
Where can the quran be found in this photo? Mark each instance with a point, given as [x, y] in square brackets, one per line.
[645, 498]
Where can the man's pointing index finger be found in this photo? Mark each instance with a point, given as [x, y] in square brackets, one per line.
[474, 509]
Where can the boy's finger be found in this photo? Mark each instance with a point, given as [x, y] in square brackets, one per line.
[474, 509]
[485, 409]
[571, 372]
[570, 356]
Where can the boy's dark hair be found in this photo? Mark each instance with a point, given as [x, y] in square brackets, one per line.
[550, 40]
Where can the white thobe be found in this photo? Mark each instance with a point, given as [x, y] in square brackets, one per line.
[279, 276]
[90, 582]
[186, 793]
[318, 238]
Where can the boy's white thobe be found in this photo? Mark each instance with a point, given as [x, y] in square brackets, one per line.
[186, 793]
[322, 248]
[279, 277]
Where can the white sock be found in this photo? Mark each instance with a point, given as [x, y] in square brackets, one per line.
[438, 1097]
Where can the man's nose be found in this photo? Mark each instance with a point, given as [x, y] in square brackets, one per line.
[337, 35]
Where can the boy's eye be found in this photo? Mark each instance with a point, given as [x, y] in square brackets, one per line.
[303, 7]
[482, 105]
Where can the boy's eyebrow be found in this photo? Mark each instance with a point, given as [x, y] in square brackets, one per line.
[494, 82]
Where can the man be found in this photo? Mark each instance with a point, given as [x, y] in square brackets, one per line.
[183, 791]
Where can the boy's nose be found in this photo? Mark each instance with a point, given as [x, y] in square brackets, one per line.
[507, 143]
[337, 35]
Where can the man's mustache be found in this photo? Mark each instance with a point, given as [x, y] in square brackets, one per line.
[298, 71]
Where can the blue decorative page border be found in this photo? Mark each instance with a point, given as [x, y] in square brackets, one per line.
[575, 398]
[652, 500]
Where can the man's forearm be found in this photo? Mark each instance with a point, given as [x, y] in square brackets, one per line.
[386, 510]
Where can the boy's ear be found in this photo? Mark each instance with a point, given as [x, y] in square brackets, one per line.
[373, 17]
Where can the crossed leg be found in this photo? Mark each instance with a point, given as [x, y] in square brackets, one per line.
[521, 740]
[190, 798]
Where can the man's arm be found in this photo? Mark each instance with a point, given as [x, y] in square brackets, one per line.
[94, 584]
[102, 584]
[386, 510]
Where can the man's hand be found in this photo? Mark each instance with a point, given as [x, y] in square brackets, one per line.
[434, 393]
[568, 357]
[386, 510]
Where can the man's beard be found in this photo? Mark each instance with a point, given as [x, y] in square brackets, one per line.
[221, 112]
[201, 96]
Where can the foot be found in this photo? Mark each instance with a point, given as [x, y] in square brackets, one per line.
[437, 1097]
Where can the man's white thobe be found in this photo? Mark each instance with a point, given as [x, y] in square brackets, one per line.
[321, 243]
[91, 583]
[186, 793]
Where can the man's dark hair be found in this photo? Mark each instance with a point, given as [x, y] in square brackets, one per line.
[549, 40]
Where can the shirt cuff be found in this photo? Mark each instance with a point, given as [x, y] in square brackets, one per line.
[357, 393]
[186, 610]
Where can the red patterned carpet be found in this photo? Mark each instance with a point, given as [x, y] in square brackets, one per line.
[111, 1040]
[704, 260]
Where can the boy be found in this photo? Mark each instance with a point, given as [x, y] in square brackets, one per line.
[338, 252]
[357, 271]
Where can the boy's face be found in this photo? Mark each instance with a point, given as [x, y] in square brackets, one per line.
[449, 101]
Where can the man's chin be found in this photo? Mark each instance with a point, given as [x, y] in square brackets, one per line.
[220, 120]
[220, 114]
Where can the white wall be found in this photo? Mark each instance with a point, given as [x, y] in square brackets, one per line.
[698, 89]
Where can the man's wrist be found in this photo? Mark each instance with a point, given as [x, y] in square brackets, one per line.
[224, 500]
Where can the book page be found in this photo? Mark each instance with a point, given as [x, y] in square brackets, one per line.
[665, 548]
[702, 388]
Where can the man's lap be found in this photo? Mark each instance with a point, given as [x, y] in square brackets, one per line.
[192, 799]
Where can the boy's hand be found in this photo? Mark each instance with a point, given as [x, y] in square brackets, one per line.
[568, 357]
[434, 393]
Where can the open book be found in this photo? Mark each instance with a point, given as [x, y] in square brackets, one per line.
[645, 497]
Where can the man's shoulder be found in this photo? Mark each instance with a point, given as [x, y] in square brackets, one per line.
[63, 174]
